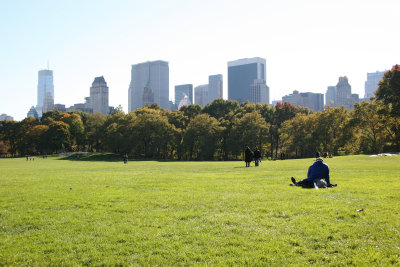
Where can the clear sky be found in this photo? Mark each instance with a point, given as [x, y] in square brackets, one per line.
[307, 44]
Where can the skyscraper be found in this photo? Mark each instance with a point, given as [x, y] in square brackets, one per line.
[343, 95]
[330, 96]
[215, 88]
[372, 82]
[259, 92]
[201, 95]
[152, 75]
[181, 91]
[99, 96]
[45, 85]
[241, 75]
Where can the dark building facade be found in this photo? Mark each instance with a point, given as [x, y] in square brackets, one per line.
[241, 75]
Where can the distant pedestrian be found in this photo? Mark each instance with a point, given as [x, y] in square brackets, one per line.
[248, 156]
[257, 156]
[126, 158]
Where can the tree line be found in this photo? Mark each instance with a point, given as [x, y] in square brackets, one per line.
[219, 131]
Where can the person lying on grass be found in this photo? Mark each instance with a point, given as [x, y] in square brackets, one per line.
[317, 176]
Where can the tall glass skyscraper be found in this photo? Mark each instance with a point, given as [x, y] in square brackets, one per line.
[45, 88]
[152, 75]
[181, 91]
[372, 83]
[215, 89]
[241, 75]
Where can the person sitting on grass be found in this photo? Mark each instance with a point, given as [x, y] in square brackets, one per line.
[317, 176]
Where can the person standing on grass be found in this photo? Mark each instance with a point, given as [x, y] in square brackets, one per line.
[126, 158]
[257, 156]
[317, 171]
[248, 156]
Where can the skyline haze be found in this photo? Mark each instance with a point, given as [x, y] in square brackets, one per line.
[307, 44]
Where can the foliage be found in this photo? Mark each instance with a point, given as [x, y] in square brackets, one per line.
[389, 90]
[219, 131]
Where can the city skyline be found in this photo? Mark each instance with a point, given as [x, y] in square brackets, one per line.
[308, 45]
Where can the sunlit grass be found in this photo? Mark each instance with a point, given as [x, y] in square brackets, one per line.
[61, 212]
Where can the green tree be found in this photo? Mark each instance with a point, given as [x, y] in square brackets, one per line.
[76, 129]
[202, 137]
[389, 90]
[94, 131]
[59, 137]
[366, 120]
[249, 130]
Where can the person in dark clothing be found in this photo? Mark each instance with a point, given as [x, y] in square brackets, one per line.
[317, 171]
[257, 156]
[126, 158]
[248, 156]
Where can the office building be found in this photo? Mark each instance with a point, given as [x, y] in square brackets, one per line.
[33, 113]
[330, 95]
[241, 75]
[45, 85]
[99, 96]
[60, 107]
[5, 117]
[152, 75]
[48, 102]
[343, 95]
[215, 87]
[313, 101]
[293, 98]
[201, 95]
[182, 91]
[259, 92]
[372, 83]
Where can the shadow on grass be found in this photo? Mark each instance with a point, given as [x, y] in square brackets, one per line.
[106, 157]
[84, 156]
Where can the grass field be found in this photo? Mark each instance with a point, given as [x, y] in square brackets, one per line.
[77, 212]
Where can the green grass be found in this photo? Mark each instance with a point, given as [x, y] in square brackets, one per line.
[63, 212]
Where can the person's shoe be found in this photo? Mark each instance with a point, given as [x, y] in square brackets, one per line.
[293, 181]
[331, 185]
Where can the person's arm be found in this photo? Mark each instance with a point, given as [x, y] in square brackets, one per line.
[327, 176]
[309, 173]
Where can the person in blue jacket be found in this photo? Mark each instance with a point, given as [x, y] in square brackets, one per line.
[318, 170]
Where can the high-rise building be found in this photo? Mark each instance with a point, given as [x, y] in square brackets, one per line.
[99, 96]
[201, 95]
[330, 95]
[372, 83]
[151, 74]
[48, 102]
[32, 113]
[343, 94]
[215, 87]
[45, 85]
[313, 101]
[293, 98]
[259, 92]
[241, 75]
[182, 91]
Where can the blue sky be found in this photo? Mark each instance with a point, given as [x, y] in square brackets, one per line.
[307, 44]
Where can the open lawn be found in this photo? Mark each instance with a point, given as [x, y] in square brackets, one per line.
[77, 212]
